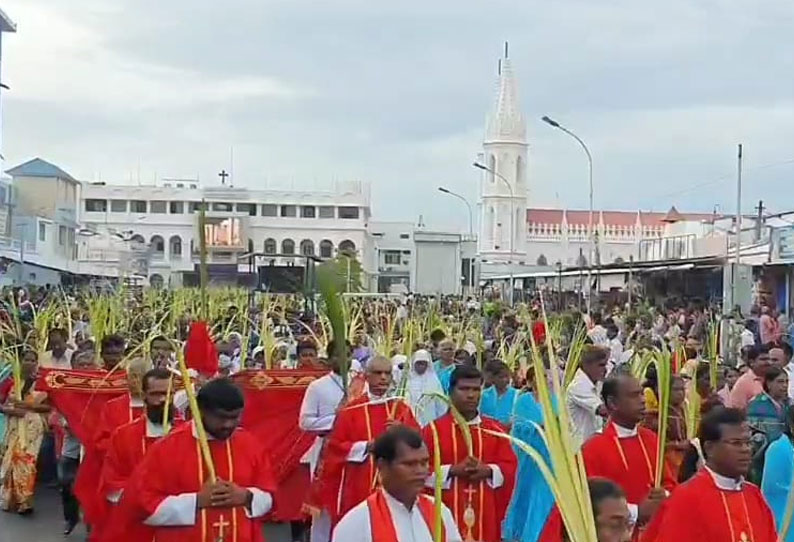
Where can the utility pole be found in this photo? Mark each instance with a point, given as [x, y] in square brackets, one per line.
[735, 271]
[739, 206]
[759, 220]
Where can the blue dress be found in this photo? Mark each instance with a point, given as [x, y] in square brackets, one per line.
[532, 499]
[499, 408]
[444, 374]
[5, 372]
[776, 482]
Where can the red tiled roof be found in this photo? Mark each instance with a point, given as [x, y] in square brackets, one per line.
[614, 218]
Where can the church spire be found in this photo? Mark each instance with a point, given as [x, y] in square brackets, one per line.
[506, 123]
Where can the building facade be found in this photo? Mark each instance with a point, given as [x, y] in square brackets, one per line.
[157, 227]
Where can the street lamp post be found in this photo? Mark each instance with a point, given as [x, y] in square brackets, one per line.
[471, 229]
[554, 124]
[512, 218]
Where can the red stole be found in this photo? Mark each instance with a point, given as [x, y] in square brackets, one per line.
[381, 522]
[488, 505]
[699, 511]
[340, 484]
[174, 465]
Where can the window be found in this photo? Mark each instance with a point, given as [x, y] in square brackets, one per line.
[268, 209]
[347, 247]
[307, 247]
[308, 211]
[180, 185]
[61, 235]
[158, 207]
[348, 212]
[193, 186]
[247, 208]
[96, 205]
[270, 246]
[223, 207]
[176, 207]
[175, 246]
[392, 257]
[289, 211]
[158, 246]
[195, 206]
[326, 211]
[326, 248]
[288, 246]
[118, 206]
[137, 206]
[42, 231]
[405, 236]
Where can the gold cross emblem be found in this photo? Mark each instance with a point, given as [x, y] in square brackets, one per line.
[221, 525]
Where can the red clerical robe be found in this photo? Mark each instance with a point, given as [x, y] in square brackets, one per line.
[346, 474]
[174, 466]
[629, 462]
[488, 504]
[126, 449]
[115, 413]
[699, 511]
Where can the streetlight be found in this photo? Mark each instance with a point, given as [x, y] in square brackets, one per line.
[512, 217]
[464, 200]
[554, 124]
[471, 228]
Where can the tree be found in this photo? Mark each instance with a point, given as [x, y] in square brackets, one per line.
[348, 270]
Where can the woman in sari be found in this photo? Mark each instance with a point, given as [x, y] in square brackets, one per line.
[532, 500]
[26, 424]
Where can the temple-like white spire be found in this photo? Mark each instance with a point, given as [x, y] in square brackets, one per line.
[506, 123]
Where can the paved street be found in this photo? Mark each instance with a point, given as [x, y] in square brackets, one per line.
[46, 525]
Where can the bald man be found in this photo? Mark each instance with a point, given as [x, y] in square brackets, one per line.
[348, 471]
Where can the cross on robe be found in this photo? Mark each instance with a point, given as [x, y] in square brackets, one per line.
[221, 525]
[470, 492]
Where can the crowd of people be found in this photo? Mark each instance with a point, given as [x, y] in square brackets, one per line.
[422, 397]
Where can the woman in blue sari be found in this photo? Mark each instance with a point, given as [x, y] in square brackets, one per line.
[532, 499]
[778, 473]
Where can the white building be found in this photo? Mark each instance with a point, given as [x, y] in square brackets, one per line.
[154, 229]
[411, 258]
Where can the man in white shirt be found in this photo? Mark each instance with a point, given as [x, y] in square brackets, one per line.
[398, 511]
[747, 336]
[583, 396]
[598, 333]
[317, 415]
[58, 356]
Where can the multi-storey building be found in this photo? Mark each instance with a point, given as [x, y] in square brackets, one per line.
[153, 230]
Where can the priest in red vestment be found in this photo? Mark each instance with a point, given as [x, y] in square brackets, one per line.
[626, 452]
[346, 474]
[172, 491]
[477, 486]
[717, 504]
[398, 511]
[115, 413]
[129, 443]
[126, 449]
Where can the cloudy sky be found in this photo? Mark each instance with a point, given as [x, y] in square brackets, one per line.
[396, 93]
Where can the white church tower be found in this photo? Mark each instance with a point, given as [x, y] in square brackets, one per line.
[503, 187]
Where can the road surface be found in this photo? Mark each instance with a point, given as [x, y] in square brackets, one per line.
[46, 524]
